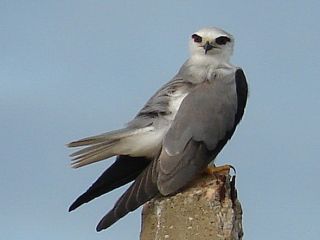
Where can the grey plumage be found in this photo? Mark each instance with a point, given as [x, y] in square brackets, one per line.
[178, 132]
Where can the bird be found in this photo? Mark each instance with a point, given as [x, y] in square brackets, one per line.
[177, 133]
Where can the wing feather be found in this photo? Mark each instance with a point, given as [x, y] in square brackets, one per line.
[204, 123]
[124, 170]
[142, 190]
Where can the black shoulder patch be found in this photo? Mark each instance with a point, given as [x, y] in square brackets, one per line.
[242, 93]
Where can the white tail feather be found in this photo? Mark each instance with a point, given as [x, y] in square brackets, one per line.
[106, 145]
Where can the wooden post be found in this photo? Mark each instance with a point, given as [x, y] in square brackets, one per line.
[206, 210]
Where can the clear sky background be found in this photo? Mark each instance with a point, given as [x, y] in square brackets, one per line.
[71, 69]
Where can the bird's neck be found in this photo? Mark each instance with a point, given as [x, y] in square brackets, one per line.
[212, 61]
[200, 68]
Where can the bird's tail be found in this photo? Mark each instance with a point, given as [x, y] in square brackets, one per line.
[102, 146]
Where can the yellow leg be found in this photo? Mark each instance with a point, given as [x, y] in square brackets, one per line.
[224, 169]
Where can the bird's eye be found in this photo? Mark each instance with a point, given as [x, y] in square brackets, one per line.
[222, 40]
[196, 38]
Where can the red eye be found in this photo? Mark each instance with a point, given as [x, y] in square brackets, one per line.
[196, 38]
[222, 40]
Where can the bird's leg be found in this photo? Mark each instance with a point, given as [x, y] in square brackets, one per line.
[224, 169]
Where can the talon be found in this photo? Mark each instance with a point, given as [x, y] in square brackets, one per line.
[224, 169]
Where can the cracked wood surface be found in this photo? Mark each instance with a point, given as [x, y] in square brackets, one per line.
[207, 209]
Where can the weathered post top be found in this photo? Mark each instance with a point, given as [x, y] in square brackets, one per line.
[207, 209]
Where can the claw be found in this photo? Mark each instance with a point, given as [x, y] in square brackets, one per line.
[224, 169]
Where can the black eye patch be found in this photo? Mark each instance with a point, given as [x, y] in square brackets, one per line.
[222, 40]
[196, 38]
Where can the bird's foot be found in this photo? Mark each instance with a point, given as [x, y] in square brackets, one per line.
[223, 170]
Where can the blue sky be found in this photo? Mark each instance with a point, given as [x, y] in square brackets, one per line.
[77, 68]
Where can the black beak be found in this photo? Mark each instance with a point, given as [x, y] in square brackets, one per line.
[207, 47]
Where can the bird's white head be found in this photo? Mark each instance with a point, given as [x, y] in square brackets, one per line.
[211, 44]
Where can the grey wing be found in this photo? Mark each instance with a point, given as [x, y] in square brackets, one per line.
[158, 104]
[142, 190]
[204, 123]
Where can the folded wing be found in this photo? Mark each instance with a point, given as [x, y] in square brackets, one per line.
[206, 120]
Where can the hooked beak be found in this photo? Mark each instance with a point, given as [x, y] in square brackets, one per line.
[207, 47]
